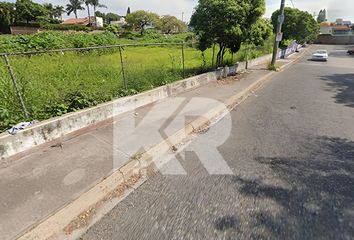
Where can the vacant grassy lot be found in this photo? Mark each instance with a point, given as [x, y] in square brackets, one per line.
[53, 84]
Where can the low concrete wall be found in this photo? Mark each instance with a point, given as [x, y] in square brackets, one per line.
[335, 40]
[58, 127]
[54, 128]
[16, 30]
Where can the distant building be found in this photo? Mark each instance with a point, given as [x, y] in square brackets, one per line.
[326, 28]
[338, 28]
[119, 23]
[94, 21]
[342, 30]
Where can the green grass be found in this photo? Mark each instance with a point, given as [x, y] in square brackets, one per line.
[57, 83]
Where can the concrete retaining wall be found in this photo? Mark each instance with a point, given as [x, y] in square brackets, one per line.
[335, 40]
[16, 30]
[55, 128]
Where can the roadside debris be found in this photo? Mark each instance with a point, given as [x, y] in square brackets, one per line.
[20, 126]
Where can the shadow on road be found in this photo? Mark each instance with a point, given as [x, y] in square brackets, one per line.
[318, 202]
[343, 86]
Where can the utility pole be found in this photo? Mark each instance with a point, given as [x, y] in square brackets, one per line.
[182, 16]
[278, 32]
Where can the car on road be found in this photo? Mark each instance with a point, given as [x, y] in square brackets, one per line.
[320, 55]
[351, 52]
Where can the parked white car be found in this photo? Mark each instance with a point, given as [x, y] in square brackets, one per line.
[320, 55]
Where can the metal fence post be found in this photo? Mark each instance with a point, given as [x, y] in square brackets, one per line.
[212, 60]
[123, 68]
[13, 79]
[183, 67]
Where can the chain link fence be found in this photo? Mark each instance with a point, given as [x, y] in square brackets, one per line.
[43, 84]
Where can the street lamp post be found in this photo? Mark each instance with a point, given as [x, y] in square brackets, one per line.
[278, 32]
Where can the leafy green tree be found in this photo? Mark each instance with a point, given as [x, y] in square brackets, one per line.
[7, 16]
[227, 23]
[139, 20]
[298, 25]
[73, 7]
[112, 17]
[96, 4]
[58, 12]
[50, 9]
[88, 3]
[171, 24]
[27, 11]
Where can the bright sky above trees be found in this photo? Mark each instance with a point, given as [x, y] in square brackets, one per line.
[335, 8]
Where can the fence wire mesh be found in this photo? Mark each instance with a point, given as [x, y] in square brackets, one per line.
[54, 82]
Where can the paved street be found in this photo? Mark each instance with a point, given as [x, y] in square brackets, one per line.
[291, 150]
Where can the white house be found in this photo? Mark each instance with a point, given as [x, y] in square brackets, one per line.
[119, 23]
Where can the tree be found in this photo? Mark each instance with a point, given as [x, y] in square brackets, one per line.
[7, 16]
[139, 20]
[322, 15]
[73, 7]
[96, 4]
[227, 23]
[88, 3]
[112, 17]
[171, 24]
[27, 11]
[298, 25]
[128, 11]
[50, 9]
[58, 12]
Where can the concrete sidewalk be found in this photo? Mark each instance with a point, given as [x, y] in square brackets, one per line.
[36, 186]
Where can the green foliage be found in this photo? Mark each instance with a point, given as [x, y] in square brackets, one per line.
[139, 20]
[73, 6]
[65, 27]
[55, 40]
[27, 11]
[108, 17]
[227, 23]
[272, 67]
[298, 25]
[170, 24]
[7, 15]
[57, 83]
[115, 29]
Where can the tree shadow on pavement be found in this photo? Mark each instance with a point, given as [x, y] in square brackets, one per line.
[343, 86]
[318, 201]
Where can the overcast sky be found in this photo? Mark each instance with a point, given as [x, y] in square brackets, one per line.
[335, 8]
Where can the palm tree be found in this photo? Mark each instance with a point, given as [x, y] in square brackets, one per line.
[88, 3]
[73, 6]
[96, 4]
[50, 9]
[58, 11]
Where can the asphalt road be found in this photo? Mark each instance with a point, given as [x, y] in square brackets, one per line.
[291, 150]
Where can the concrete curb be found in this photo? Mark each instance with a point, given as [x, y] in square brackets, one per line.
[68, 218]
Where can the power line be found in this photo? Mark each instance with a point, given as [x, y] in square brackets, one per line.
[292, 3]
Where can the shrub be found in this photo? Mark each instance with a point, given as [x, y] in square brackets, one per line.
[65, 27]
[272, 67]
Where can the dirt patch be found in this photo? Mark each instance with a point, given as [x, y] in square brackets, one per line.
[85, 218]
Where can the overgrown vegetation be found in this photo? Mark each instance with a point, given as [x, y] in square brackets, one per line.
[57, 83]
[298, 25]
[229, 24]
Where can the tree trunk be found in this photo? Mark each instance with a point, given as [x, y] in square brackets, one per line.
[88, 13]
[220, 55]
[75, 14]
